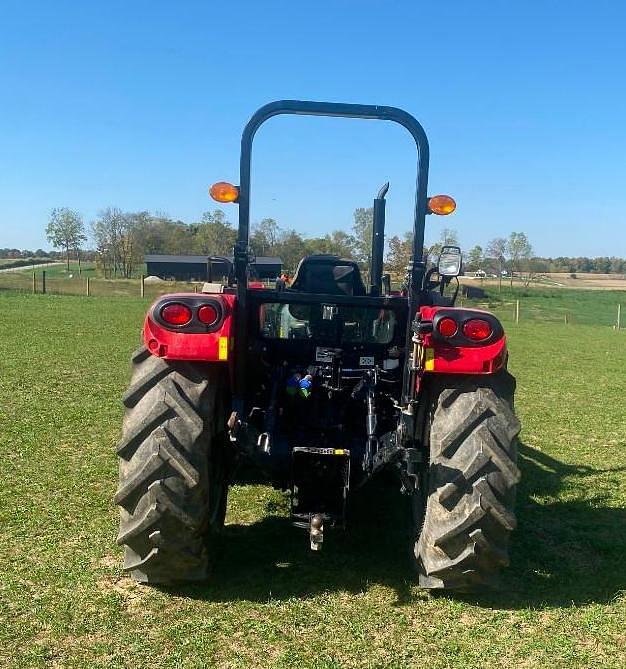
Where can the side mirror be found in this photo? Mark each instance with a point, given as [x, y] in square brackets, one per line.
[449, 261]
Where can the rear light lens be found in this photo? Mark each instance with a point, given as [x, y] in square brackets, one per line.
[176, 314]
[207, 314]
[447, 327]
[477, 329]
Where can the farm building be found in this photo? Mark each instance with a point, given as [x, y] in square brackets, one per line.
[206, 268]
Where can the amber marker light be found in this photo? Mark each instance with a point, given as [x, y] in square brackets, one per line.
[442, 205]
[222, 191]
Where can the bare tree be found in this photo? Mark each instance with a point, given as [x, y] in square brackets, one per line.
[519, 251]
[129, 248]
[496, 249]
[115, 234]
[265, 236]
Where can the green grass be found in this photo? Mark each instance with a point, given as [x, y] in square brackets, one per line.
[553, 305]
[65, 603]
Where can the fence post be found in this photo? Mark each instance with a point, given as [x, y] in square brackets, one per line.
[517, 311]
[43, 282]
[88, 288]
[566, 318]
[143, 287]
[619, 316]
[34, 283]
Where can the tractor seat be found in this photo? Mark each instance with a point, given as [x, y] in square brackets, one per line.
[328, 274]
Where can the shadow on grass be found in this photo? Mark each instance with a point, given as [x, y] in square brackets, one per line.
[565, 552]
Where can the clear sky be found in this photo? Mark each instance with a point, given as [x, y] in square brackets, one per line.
[140, 105]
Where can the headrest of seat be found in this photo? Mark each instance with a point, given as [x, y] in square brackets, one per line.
[328, 274]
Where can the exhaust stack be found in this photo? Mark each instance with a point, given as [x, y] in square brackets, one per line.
[378, 242]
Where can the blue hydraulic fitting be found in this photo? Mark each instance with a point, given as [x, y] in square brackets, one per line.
[305, 385]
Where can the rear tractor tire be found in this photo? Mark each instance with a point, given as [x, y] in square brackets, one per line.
[472, 433]
[173, 469]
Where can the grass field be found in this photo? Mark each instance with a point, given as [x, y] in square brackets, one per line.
[65, 603]
[553, 305]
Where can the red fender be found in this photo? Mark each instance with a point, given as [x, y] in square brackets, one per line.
[453, 357]
[193, 341]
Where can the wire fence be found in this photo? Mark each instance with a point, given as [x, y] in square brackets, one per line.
[40, 282]
[565, 306]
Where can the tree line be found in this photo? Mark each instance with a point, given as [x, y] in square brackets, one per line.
[121, 239]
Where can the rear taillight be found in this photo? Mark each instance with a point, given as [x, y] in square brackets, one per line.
[447, 327]
[176, 314]
[207, 314]
[477, 329]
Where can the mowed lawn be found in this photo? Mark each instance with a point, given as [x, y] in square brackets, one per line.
[272, 603]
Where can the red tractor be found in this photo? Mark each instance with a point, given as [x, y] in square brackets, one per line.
[324, 383]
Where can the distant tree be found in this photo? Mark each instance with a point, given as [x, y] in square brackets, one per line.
[362, 229]
[151, 233]
[602, 265]
[106, 231]
[291, 248]
[449, 237]
[399, 254]
[496, 250]
[338, 242]
[618, 266]
[475, 257]
[66, 230]
[264, 237]
[215, 235]
[119, 240]
[519, 251]
[178, 236]
[342, 244]
[130, 247]
[316, 245]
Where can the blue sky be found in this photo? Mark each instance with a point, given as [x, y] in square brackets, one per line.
[140, 105]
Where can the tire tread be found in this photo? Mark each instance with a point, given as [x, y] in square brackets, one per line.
[169, 441]
[473, 473]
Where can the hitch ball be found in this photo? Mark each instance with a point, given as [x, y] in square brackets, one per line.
[316, 531]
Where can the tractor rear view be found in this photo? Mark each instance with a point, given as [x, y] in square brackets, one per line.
[323, 385]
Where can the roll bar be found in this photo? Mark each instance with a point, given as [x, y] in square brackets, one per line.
[345, 110]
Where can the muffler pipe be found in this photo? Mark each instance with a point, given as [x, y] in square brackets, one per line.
[378, 241]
